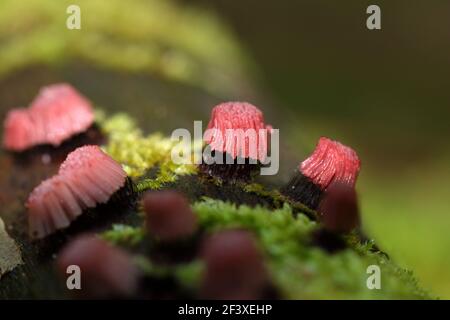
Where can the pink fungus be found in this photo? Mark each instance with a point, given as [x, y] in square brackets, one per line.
[238, 129]
[330, 162]
[86, 178]
[56, 114]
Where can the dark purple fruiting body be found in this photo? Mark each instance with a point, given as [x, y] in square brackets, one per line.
[339, 215]
[169, 216]
[234, 267]
[105, 271]
[339, 209]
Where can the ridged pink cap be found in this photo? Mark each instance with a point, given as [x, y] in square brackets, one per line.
[330, 162]
[56, 114]
[237, 118]
[86, 178]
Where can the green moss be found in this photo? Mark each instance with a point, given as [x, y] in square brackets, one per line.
[262, 191]
[298, 269]
[123, 235]
[139, 153]
[133, 36]
[302, 271]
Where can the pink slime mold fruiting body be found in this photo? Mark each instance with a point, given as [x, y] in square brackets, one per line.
[331, 162]
[86, 178]
[238, 116]
[56, 114]
[236, 130]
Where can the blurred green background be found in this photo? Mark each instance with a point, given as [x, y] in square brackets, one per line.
[386, 93]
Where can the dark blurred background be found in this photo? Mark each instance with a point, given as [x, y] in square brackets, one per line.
[384, 92]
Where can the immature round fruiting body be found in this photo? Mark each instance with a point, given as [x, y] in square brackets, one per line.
[339, 208]
[234, 266]
[105, 271]
[169, 216]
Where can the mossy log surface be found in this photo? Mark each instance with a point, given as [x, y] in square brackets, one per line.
[164, 82]
[299, 268]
